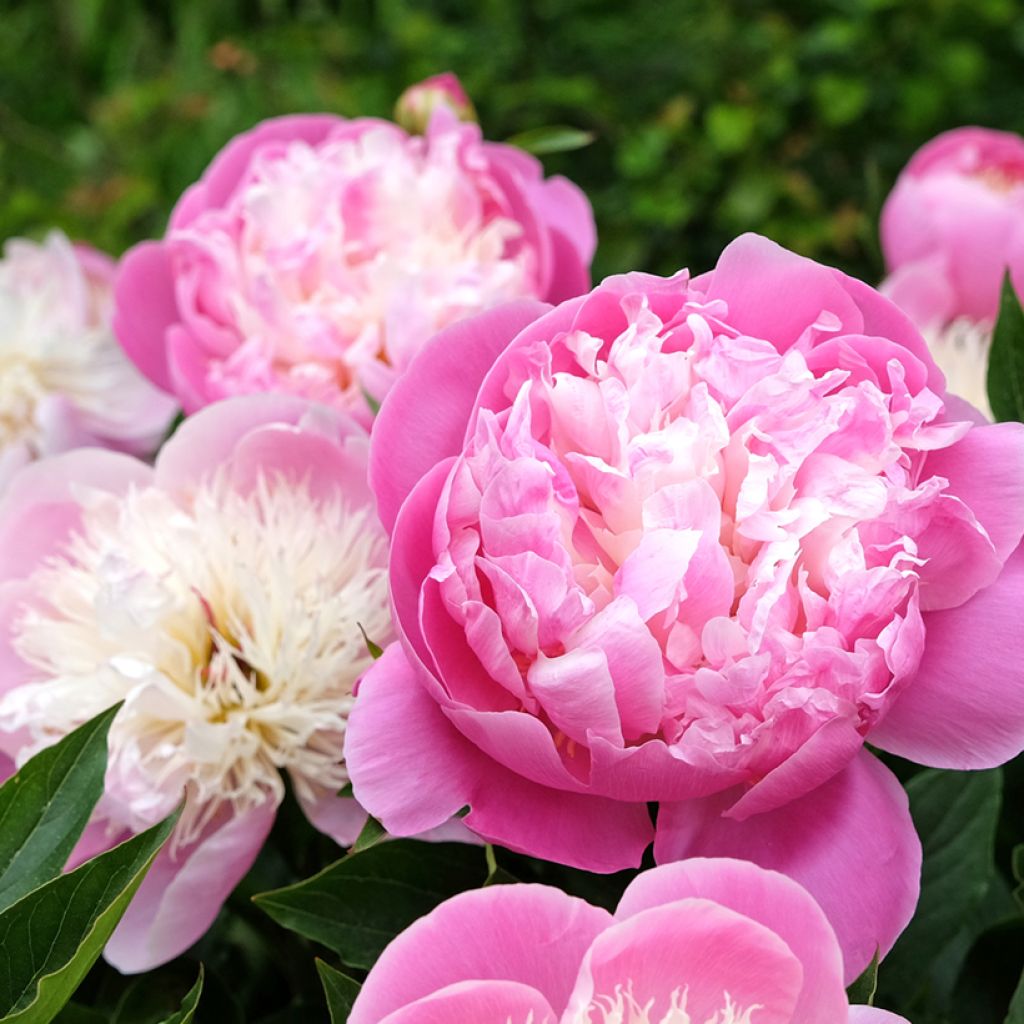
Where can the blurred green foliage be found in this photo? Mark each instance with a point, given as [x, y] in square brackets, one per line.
[712, 116]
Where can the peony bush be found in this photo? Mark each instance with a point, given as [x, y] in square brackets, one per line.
[678, 615]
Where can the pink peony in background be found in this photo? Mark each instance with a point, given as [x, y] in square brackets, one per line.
[698, 942]
[317, 254]
[64, 381]
[220, 595]
[951, 228]
[694, 541]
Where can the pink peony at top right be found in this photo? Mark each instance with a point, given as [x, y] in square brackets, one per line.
[952, 226]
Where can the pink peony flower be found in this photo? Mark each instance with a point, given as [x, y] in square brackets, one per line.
[698, 942]
[694, 541]
[417, 104]
[316, 256]
[64, 381]
[220, 596]
[952, 227]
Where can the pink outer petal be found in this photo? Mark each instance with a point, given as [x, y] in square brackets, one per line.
[531, 934]
[985, 469]
[873, 1015]
[856, 826]
[221, 178]
[181, 895]
[144, 308]
[771, 899]
[922, 291]
[339, 817]
[697, 947]
[434, 771]
[40, 509]
[564, 207]
[570, 276]
[965, 706]
[216, 435]
[423, 419]
[774, 294]
[477, 1002]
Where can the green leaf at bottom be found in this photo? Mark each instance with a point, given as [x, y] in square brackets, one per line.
[188, 1005]
[1006, 360]
[340, 991]
[50, 938]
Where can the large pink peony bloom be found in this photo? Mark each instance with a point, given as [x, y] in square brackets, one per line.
[694, 541]
[698, 942]
[64, 382]
[951, 228]
[220, 596]
[316, 256]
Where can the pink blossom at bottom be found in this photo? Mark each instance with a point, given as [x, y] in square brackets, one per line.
[696, 942]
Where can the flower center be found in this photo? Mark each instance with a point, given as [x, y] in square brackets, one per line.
[231, 630]
[624, 1008]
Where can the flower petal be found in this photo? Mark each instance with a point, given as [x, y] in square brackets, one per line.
[531, 934]
[965, 706]
[410, 434]
[850, 843]
[477, 1002]
[771, 899]
[184, 891]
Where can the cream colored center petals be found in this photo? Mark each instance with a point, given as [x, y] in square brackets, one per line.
[625, 1008]
[231, 630]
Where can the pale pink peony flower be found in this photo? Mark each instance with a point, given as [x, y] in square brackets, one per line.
[316, 255]
[417, 104]
[222, 596]
[64, 381]
[694, 541]
[698, 942]
[951, 228]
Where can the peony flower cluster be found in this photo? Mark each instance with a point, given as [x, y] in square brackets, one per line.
[64, 381]
[318, 254]
[693, 541]
[222, 597]
[951, 229]
[698, 942]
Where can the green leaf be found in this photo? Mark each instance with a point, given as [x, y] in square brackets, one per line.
[1016, 1014]
[555, 138]
[340, 991]
[496, 874]
[46, 805]
[956, 815]
[188, 1005]
[1006, 360]
[862, 991]
[357, 905]
[375, 649]
[74, 1013]
[1017, 862]
[373, 832]
[50, 938]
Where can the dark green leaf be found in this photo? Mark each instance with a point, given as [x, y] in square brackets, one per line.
[73, 1013]
[50, 938]
[1018, 875]
[1006, 361]
[373, 832]
[955, 814]
[188, 1005]
[359, 904]
[46, 805]
[1016, 1014]
[340, 991]
[555, 138]
[862, 991]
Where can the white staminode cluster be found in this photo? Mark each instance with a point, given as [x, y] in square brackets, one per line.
[231, 630]
[61, 370]
[961, 350]
[623, 1008]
